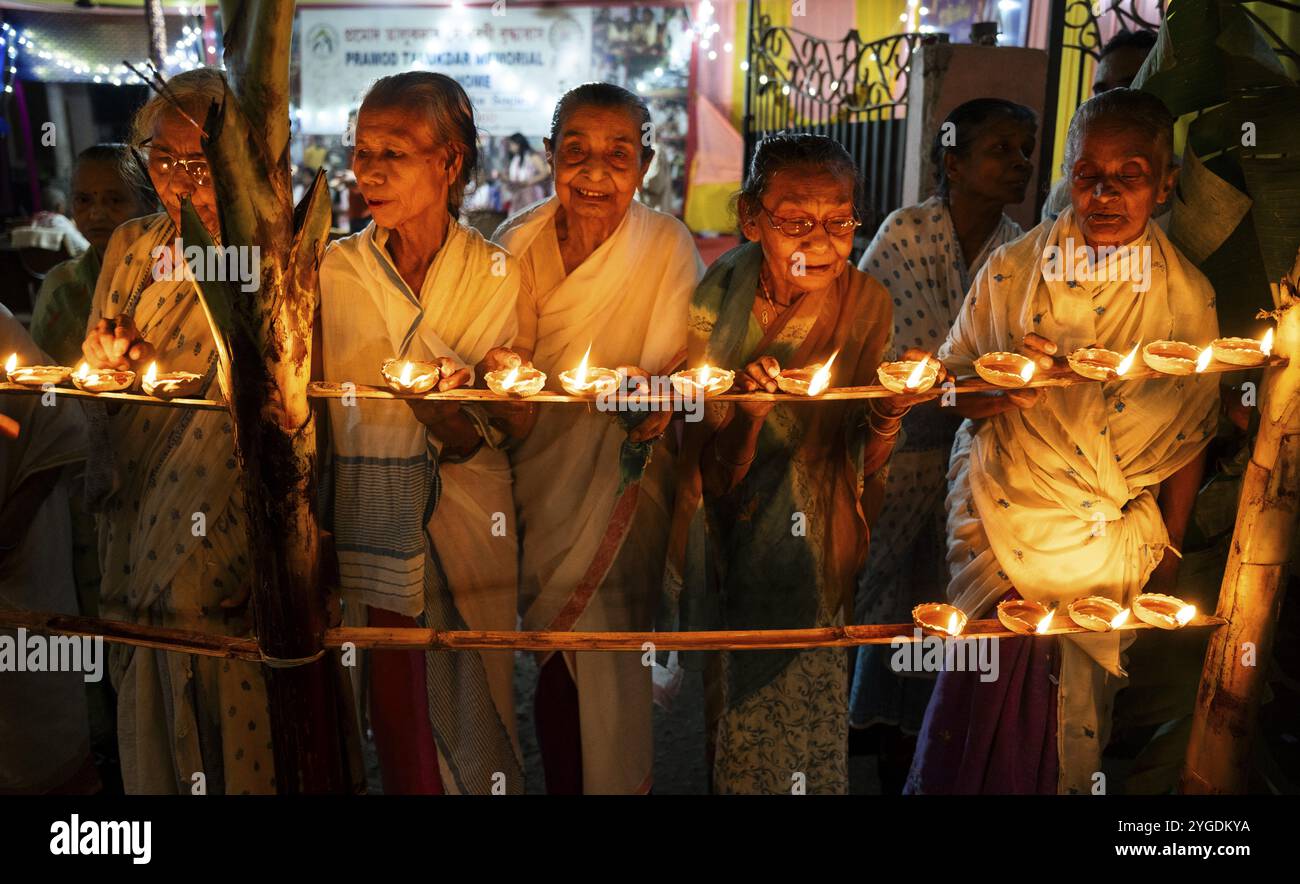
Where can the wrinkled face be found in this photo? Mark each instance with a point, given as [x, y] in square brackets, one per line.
[813, 260]
[597, 163]
[998, 165]
[1118, 69]
[1116, 182]
[174, 138]
[101, 201]
[402, 172]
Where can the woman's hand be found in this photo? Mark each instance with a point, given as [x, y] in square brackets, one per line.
[977, 406]
[116, 344]
[1039, 349]
[758, 377]
[637, 382]
[501, 359]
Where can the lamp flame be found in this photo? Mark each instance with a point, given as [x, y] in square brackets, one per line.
[405, 377]
[83, 371]
[1127, 362]
[821, 378]
[1203, 361]
[954, 623]
[1266, 345]
[509, 380]
[914, 379]
[581, 378]
[1027, 373]
[1120, 619]
[152, 374]
[1185, 614]
[1045, 623]
[11, 363]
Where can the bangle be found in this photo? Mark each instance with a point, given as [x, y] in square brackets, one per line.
[735, 466]
[881, 433]
[871, 403]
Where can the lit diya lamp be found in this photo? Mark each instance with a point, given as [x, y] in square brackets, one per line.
[1176, 357]
[171, 384]
[413, 376]
[1025, 617]
[1243, 351]
[1098, 613]
[1163, 611]
[810, 381]
[587, 381]
[939, 619]
[520, 381]
[1100, 364]
[908, 376]
[1005, 369]
[101, 380]
[36, 375]
[703, 381]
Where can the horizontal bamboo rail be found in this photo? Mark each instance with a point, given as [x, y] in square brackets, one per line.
[1060, 375]
[394, 639]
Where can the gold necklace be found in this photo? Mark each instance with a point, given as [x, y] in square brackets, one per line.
[767, 295]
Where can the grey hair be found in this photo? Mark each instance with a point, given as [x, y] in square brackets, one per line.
[603, 95]
[449, 112]
[796, 150]
[1127, 108]
[194, 90]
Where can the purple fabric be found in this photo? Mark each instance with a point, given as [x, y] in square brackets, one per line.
[995, 737]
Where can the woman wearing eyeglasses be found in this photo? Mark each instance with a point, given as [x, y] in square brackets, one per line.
[165, 482]
[774, 502]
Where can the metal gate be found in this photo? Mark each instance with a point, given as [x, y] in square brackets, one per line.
[851, 91]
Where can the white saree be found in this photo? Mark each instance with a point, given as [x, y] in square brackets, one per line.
[1059, 500]
[405, 522]
[593, 554]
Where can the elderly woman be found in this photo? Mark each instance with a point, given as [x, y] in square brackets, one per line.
[604, 273]
[926, 256]
[105, 194]
[1073, 491]
[167, 472]
[423, 514]
[782, 531]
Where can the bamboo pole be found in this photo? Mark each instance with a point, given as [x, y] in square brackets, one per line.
[1236, 663]
[413, 639]
[1059, 376]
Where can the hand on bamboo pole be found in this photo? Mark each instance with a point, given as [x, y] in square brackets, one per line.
[758, 377]
[655, 423]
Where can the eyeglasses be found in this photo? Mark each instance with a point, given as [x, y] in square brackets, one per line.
[803, 226]
[166, 165]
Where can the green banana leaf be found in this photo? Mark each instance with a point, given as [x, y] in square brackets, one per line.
[1237, 210]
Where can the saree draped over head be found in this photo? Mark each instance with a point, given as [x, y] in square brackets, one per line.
[413, 535]
[168, 471]
[918, 258]
[44, 739]
[593, 515]
[1058, 501]
[782, 549]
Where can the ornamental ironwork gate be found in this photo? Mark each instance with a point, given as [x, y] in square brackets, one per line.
[852, 91]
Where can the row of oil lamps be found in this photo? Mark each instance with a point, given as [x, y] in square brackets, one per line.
[1094, 613]
[162, 385]
[904, 377]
